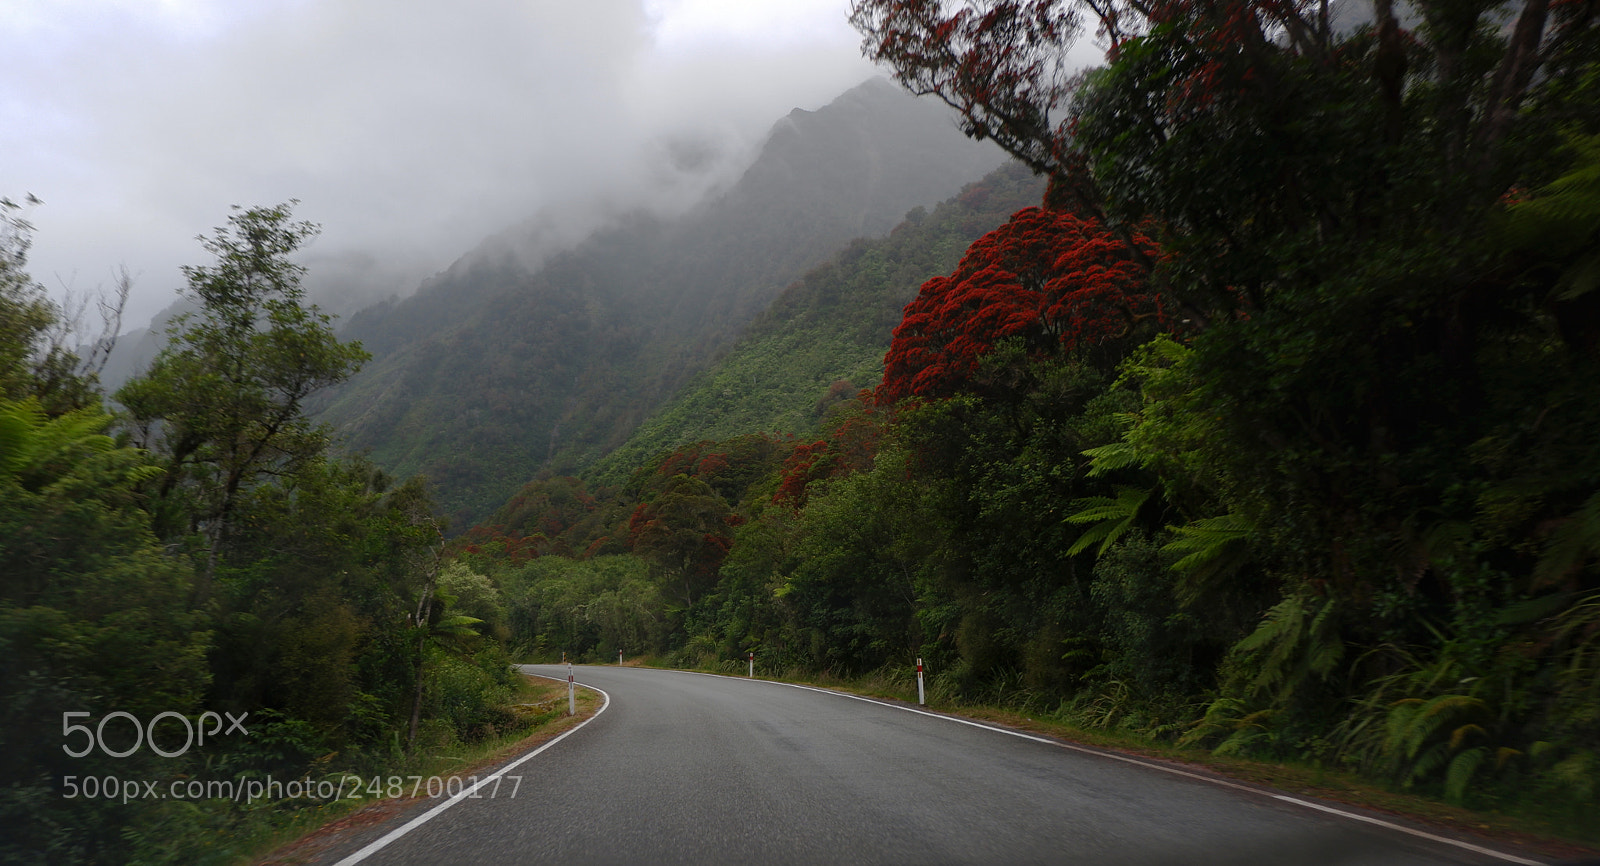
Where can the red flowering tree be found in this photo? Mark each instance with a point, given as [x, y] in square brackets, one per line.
[685, 530]
[850, 447]
[1053, 279]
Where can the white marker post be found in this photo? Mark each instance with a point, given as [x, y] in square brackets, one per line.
[920, 700]
[752, 664]
[572, 702]
[619, 658]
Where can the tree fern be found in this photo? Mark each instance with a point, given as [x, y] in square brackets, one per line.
[29, 437]
[1573, 543]
[1109, 458]
[1297, 639]
[1578, 628]
[1212, 549]
[1563, 216]
[1111, 518]
[1463, 767]
[39, 450]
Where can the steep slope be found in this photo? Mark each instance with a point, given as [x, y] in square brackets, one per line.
[495, 371]
[825, 336]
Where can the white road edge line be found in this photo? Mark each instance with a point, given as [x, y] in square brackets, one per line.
[374, 847]
[1353, 816]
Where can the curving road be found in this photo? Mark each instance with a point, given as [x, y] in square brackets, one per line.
[690, 768]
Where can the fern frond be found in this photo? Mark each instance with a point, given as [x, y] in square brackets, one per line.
[1255, 720]
[458, 625]
[1109, 458]
[1398, 723]
[1212, 549]
[1112, 518]
[1460, 772]
[1204, 541]
[1458, 737]
[1430, 761]
[30, 440]
[1430, 720]
[1454, 704]
[1574, 542]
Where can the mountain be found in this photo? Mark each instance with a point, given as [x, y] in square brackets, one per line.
[506, 366]
[824, 337]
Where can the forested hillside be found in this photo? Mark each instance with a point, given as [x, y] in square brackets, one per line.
[495, 371]
[1270, 429]
[823, 338]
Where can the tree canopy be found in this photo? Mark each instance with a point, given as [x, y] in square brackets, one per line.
[225, 400]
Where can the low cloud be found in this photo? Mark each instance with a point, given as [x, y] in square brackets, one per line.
[410, 129]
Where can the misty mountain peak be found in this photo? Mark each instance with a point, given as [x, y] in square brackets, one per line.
[501, 368]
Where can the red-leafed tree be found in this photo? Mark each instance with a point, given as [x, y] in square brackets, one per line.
[729, 466]
[1233, 123]
[686, 530]
[849, 447]
[1052, 279]
[1001, 63]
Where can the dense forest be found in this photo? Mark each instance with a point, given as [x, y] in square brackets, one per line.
[1268, 429]
[198, 551]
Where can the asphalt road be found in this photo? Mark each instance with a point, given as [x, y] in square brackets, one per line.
[688, 768]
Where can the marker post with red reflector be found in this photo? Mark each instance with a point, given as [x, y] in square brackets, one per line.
[619, 658]
[920, 700]
[572, 701]
[752, 664]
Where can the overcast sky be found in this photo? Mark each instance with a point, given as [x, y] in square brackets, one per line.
[409, 129]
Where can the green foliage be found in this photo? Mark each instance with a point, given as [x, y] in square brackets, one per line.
[224, 402]
[468, 697]
[1424, 735]
[683, 532]
[1212, 549]
[1561, 219]
[1298, 641]
[587, 609]
[475, 600]
[1152, 647]
[94, 617]
[235, 567]
[1112, 517]
[867, 547]
[1574, 543]
[316, 594]
[33, 360]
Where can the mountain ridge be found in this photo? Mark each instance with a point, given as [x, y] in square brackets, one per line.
[495, 371]
[824, 336]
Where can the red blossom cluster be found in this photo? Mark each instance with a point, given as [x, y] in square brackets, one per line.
[1051, 278]
[850, 447]
[500, 543]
